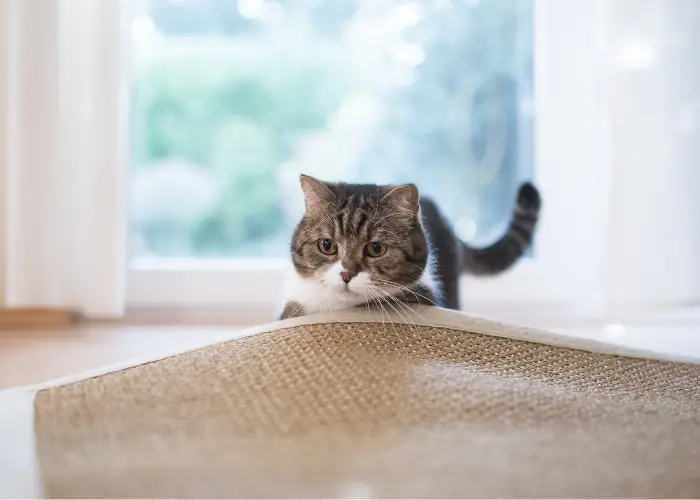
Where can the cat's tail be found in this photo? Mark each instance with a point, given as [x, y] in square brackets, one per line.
[502, 254]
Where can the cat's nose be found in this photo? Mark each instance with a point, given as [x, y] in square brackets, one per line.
[347, 276]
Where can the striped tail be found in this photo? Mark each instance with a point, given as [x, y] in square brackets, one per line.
[502, 254]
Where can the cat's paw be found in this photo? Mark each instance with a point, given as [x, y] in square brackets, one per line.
[529, 197]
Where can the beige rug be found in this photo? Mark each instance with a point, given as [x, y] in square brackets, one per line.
[450, 406]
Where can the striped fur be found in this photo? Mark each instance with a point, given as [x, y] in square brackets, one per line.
[501, 255]
[424, 258]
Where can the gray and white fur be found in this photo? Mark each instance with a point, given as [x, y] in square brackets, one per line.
[360, 244]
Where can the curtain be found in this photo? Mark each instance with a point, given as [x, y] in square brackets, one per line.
[653, 136]
[62, 155]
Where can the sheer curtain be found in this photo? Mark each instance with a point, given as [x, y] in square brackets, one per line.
[652, 79]
[62, 156]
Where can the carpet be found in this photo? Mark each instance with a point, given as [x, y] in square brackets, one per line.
[443, 405]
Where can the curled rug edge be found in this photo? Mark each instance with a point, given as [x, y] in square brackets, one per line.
[418, 315]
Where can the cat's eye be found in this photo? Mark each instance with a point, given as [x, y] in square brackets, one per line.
[327, 246]
[375, 249]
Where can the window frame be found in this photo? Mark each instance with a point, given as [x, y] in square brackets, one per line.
[569, 169]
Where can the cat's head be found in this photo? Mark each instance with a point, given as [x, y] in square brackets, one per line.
[354, 237]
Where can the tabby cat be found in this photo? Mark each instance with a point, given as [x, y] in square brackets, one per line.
[361, 244]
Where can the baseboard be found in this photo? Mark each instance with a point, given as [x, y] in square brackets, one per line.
[37, 317]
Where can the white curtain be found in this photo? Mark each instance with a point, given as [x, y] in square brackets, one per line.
[652, 77]
[62, 155]
[624, 79]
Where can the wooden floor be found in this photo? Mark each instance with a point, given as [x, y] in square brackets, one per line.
[30, 356]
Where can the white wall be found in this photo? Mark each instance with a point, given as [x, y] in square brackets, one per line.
[653, 84]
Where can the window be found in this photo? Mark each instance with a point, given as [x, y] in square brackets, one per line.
[592, 80]
[233, 99]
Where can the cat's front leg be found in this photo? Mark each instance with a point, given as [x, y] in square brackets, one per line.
[292, 310]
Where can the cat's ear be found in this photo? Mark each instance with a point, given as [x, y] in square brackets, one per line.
[316, 193]
[404, 197]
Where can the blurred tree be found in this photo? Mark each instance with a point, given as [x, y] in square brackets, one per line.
[188, 18]
[460, 118]
[424, 91]
[237, 112]
[224, 17]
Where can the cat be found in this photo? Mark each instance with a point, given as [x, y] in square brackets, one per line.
[360, 244]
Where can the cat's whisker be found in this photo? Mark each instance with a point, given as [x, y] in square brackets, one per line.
[380, 303]
[297, 309]
[323, 320]
[408, 310]
[405, 316]
[330, 308]
[407, 307]
[402, 287]
[414, 327]
[374, 301]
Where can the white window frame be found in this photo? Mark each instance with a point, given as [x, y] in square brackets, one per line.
[569, 169]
